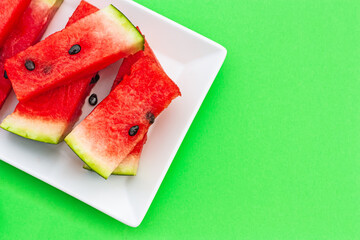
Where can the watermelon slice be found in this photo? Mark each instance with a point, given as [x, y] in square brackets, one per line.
[27, 32]
[50, 116]
[130, 164]
[88, 45]
[121, 120]
[10, 13]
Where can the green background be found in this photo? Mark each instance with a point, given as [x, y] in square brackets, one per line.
[274, 152]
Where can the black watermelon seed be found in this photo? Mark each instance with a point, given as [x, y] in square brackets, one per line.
[133, 130]
[75, 49]
[150, 117]
[30, 65]
[5, 75]
[95, 78]
[93, 99]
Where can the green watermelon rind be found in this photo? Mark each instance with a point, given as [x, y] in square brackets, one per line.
[22, 126]
[120, 19]
[130, 170]
[76, 147]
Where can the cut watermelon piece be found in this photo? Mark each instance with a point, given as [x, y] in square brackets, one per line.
[130, 164]
[10, 13]
[122, 119]
[26, 33]
[50, 116]
[88, 45]
[125, 69]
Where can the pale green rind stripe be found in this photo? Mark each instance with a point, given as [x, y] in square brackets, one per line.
[124, 22]
[11, 124]
[120, 170]
[86, 157]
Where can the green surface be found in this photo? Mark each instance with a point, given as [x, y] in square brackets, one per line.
[274, 152]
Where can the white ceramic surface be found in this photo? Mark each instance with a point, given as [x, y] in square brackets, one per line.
[190, 59]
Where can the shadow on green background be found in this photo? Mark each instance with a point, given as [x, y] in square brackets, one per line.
[273, 152]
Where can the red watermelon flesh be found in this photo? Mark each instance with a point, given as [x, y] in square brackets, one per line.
[10, 13]
[5, 88]
[50, 116]
[25, 33]
[107, 135]
[104, 37]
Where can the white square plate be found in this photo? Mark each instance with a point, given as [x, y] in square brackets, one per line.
[190, 59]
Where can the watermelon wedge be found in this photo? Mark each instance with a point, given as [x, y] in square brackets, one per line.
[27, 32]
[10, 13]
[50, 116]
[88, 45]
[130, 164]
[121, 120]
